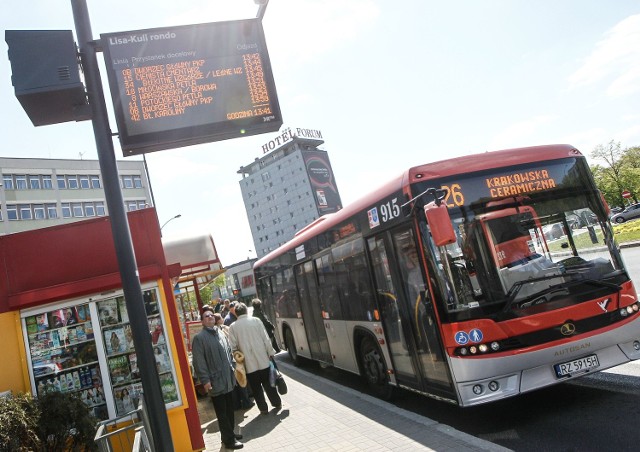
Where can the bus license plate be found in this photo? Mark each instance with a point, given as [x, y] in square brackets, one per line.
[577, 366]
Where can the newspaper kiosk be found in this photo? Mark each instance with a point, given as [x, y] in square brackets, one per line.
[66, 326]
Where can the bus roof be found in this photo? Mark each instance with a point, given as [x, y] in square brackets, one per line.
[443, 168]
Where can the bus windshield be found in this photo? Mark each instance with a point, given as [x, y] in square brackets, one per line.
[524, 254]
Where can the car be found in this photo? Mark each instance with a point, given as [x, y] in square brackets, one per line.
[553, 231]
[629, 213]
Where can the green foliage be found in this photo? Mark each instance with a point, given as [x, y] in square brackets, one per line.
[619, 171]
[66, 423]
[627, 232]
[19, 423]
[53, 422]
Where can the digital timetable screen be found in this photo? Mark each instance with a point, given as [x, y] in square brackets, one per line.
[178, 86]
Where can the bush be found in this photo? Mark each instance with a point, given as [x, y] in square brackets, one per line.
[53, 422]
[19, 423]
[65, 423]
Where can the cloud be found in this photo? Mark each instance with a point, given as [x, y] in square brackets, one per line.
[615, 59]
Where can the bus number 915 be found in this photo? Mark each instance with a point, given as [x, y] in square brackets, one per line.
[389, 210]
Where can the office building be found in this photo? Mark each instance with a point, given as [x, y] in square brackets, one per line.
[36, 193]
[287, 188]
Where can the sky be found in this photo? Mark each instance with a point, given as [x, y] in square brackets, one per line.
[390, 84]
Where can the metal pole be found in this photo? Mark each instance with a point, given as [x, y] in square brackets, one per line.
[158, 421]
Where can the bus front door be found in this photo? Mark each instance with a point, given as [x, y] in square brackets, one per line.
[408, 315]
[312, 312]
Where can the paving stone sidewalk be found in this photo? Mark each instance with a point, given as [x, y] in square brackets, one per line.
[318, 415]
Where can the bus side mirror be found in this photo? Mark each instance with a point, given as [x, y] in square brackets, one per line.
[440, 224]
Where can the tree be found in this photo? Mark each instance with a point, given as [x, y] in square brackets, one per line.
[620, 172]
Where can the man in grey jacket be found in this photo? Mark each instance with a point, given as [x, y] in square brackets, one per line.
[247, 334]
[214, 367]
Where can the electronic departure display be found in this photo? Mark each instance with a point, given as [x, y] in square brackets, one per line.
[178, 86]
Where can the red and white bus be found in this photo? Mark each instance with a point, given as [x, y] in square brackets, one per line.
[447, 281]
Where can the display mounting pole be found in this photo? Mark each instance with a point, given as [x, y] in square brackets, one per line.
[156, 410]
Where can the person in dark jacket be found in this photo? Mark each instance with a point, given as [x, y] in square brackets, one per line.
[214, 367]
[231, 315]
[256, 303]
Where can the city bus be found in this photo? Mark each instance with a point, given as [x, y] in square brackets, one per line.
[445, 281]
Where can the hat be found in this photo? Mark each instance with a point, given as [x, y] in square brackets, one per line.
[233, 304]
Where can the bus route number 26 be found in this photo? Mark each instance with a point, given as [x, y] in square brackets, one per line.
[454, 196]
[389, 210]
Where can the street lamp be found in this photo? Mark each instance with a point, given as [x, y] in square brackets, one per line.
[172, 218]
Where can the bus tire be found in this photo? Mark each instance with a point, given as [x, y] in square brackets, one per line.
[290, 344]
[374, 369]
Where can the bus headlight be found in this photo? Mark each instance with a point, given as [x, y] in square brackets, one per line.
[494, 386]
[478, 389]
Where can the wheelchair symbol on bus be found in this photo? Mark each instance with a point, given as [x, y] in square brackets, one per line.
[462, 337]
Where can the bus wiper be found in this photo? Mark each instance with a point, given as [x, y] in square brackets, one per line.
[593, 282]
[513, 291]
[552, 292]
[546, 297]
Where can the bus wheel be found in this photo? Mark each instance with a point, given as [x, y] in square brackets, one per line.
[374, 370]
[290, 343]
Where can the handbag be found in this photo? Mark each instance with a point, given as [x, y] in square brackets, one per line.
[280, 384]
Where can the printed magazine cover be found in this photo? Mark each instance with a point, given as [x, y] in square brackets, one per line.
[115, 340]
[122, 309]
[108, 311]
[83, 313]
[128, 337]
[119, 369]
[42, 321]
[169, 391]
[133, 364]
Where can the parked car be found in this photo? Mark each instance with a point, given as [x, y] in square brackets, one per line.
[615, 210]
[631, 212]
[553, 231]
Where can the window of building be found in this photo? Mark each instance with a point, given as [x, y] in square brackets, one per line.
[52, 212]
[127, 182]
[137, 181]
[12, 213]
[266, 176]
[62, 182]
[142, 204]
[38, 212]
[100, 209]
[72, 182]
[66, 210]
[131, 206]
[95, 181]
[89, 209]
[25, 212]
[0, 213]
[77, 209]
[84, 182]
[21, 182]
[47, 184]
[7, 182]
[34, 183]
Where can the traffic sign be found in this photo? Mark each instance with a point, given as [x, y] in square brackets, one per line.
[626, 194]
